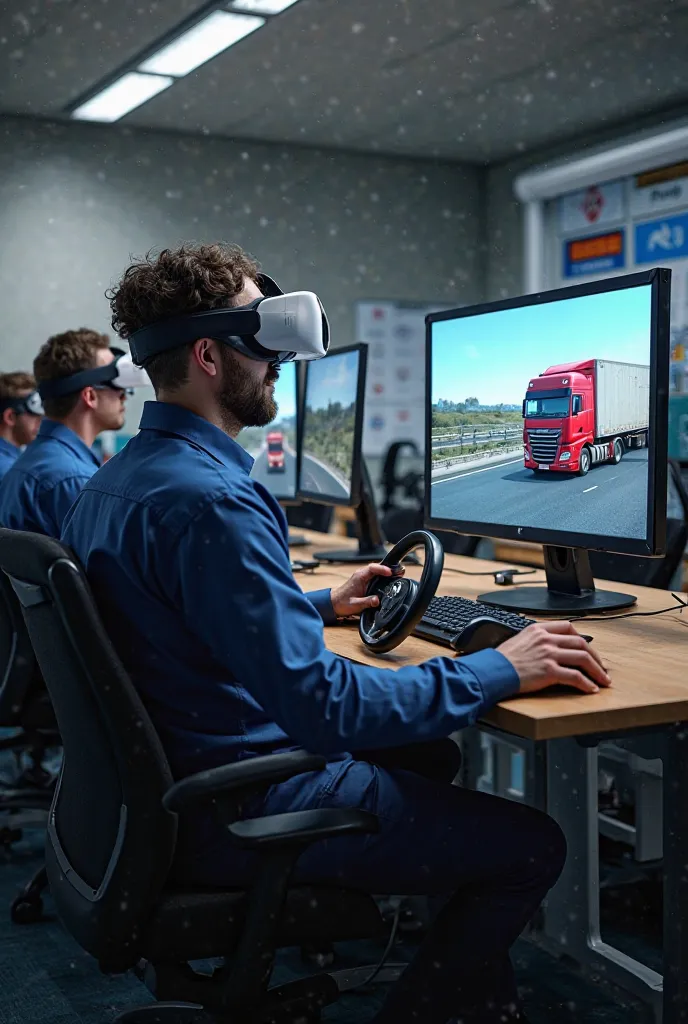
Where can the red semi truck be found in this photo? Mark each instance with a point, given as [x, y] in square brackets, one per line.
[275, 443]
[580, 414]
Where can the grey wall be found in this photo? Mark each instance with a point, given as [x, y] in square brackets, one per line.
[76, 200]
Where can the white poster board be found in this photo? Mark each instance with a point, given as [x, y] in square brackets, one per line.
[395, 388]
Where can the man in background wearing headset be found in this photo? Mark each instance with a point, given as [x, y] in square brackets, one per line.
[20, 416]
[77, 375]
[189, 563]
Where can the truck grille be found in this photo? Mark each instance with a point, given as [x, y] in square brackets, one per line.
[544, 445]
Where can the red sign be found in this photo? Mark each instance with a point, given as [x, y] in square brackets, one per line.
[593, 202]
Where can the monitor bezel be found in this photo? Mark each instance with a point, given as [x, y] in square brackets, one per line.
[655, 540]
[355, 495]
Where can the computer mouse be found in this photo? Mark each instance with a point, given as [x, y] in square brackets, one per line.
[482, 633]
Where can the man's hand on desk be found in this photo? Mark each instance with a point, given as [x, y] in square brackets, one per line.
[350, 599]
[553, 652]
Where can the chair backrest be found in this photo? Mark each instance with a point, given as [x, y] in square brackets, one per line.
[18, 670]
[110, 843]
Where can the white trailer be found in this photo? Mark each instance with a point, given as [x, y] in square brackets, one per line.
[622, 399]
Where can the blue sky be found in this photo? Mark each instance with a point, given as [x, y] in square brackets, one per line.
[332, 379]
[493, 356]
[285, 390]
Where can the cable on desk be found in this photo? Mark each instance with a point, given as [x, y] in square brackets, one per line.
[629, 615]
[491, 572]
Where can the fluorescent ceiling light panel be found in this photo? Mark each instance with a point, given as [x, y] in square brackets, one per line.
[205, 40]
[262, 6]
[124, 95]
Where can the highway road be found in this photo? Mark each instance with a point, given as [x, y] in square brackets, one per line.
[610, 501]
[315, 477]
[282, 485]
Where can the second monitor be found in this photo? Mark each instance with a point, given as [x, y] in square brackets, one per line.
[331, 468]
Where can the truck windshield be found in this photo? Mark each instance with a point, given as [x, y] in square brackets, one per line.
[547, 407]
[275, 446]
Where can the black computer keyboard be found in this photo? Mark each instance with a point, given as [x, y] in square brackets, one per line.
[447, 616]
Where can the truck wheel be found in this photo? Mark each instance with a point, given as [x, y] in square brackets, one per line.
[584, 463]
[618, 451]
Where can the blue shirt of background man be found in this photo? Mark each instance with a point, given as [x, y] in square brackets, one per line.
[9, 453]
[39, 489]
[189, 563]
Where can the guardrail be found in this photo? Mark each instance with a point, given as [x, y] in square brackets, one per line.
[480, 428]
[474, 456]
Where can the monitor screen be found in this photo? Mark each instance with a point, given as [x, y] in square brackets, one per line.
[332, 423]
[274, 447]
[541, 419]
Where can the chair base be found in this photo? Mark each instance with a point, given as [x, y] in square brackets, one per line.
[27, 907]
[165, 1013]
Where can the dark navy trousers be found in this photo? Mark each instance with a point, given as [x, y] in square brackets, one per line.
[495, 860]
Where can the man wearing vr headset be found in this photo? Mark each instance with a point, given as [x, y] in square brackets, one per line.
[20, 416]
[189, 562]
[82, 389]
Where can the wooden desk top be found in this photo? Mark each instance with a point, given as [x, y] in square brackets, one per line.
[646, 657]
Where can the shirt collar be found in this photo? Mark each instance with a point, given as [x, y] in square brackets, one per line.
[67, 437]
[175, 419]
[8, 448]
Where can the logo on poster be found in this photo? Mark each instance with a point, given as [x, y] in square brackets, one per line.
[377, 422]
[403, 373]
[593, 204]
[378, 389]
[661, 239]
[378, 314]
[403, 415]
[403, 331]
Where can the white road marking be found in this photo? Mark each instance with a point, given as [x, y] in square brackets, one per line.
[587, 489]
[474, 471]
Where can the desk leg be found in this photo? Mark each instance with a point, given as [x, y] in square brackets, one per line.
[676, 877]
[572, 910]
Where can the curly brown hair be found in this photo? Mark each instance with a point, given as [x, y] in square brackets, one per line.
[189, 279]
[17, 384]
[61, 356]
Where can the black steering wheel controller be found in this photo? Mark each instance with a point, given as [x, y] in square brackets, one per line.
[403, 602]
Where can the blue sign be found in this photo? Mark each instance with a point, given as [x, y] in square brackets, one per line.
[594, 254]
[661, 240]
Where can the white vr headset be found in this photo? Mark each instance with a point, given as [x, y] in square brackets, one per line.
[276, 328]
[120, 374]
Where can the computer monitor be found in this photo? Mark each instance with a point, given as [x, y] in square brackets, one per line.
[274, 447]
[331, 468]
[546, 421]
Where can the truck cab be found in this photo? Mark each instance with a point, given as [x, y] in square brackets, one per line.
[559, 417]
[275, 450]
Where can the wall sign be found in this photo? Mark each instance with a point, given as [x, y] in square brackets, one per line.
[659, 240]
[592, 207]
[594, 254]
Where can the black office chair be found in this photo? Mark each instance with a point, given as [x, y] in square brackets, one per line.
[25, 708]
[113, 825]
[650, 572]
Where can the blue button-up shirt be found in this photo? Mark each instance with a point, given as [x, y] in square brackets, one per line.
[189, 563]
[39, 489]
[9, 453]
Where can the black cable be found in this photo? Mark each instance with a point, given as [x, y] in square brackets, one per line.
[492, 572]
[385, 956]
[629, 615]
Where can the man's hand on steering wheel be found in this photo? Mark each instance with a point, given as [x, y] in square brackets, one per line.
[350, 598]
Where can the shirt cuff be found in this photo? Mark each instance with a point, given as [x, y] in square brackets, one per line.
[497, 677]
[322, 601]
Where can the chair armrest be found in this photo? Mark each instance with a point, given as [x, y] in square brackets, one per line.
[241, 778]
[301, 828]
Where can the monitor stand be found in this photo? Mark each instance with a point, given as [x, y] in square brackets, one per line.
[371, 544]
[570, 589]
